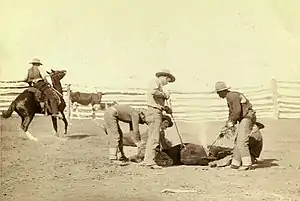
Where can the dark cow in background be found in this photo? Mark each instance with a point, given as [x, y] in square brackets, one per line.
[93, 99]
[86, 98]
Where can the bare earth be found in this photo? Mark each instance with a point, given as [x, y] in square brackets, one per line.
[76, 167]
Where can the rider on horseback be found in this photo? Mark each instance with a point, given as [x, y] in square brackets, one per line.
[39, 79]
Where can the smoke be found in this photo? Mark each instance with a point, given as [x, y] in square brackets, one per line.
[202, 135]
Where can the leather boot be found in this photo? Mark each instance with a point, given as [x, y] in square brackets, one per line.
[123, 157]
[114, 159]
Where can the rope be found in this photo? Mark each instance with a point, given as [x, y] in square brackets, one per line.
[57, 92]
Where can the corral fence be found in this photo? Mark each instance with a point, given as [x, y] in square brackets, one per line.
[277, 99]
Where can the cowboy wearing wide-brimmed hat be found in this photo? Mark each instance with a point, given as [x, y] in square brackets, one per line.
[163, 142]
[36, 61]
[166, 123]
[38, 78]
[36, 73]
[166, 73]
[255, 147]
[156, 98]
[221, 86]
[240, 110]
[256, 141]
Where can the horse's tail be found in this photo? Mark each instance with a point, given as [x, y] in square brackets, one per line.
[11, 109]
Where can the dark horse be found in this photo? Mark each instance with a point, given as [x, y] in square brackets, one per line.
[27, 105]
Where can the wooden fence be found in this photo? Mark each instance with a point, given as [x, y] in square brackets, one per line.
[279, 99]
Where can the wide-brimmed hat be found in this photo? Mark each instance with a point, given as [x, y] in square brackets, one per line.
[165, 73]
[259, 125]
[36, 61]
[165, 117]
[221, 86]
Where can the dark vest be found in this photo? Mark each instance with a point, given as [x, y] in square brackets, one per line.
[33, 74]
[247, 110]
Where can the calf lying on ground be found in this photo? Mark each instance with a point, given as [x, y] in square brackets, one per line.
[193, 154]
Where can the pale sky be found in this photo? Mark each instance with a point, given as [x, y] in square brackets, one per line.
[123, 43]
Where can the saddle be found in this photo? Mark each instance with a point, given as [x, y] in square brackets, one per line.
[41, 98]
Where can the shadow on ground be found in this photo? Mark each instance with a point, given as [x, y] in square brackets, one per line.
[266, 163]
[78, 136]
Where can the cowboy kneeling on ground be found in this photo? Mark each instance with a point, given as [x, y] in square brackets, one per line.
[163, 142]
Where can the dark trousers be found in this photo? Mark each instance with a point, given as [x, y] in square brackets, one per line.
[50, 94]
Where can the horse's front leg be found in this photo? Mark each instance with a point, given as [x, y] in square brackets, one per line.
[66, 123]
[54, 122]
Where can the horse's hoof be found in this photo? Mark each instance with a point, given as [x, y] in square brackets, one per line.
[30, 137]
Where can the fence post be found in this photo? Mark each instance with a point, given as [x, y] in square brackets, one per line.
[69, 102]
[274, 89]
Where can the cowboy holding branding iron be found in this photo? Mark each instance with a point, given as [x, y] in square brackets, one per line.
[255, 147]
[38, 78]
[240, 110]
[156, 98]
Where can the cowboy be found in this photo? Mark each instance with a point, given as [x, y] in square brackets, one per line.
[38, 78]
[256, 141]
[156, 98]
[240, 110]
[164, 143]
[126, 114]
[255, 147]
[166, 123]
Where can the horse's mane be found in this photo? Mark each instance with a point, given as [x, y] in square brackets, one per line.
[56, 82]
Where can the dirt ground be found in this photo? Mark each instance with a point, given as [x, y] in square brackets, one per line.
[77, 168]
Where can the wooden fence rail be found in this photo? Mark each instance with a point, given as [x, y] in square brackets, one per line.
[280, 99]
